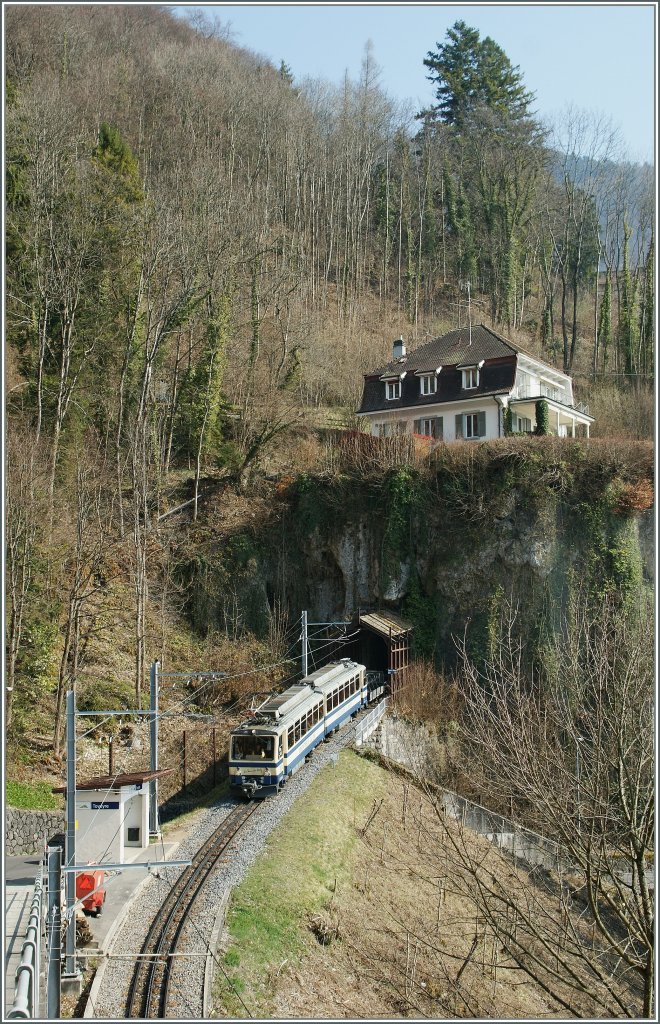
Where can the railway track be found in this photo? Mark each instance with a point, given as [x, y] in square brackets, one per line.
[150, 985]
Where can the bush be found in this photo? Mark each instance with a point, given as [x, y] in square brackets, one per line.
[30, 796]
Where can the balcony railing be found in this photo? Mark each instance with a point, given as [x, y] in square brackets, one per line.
[536, 391]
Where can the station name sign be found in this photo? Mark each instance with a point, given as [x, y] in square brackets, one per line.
[106, 806]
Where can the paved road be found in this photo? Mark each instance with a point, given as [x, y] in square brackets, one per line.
[20, 875]
[21, 870]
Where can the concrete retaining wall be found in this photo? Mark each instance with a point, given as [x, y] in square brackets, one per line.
[416, 748]
[25, 830]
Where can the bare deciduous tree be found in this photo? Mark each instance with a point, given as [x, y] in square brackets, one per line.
[571, 751]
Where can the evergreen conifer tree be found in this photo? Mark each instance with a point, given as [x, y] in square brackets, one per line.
[468, 73]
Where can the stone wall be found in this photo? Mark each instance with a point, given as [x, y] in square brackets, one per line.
[25, 830]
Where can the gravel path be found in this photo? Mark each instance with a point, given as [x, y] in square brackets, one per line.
[188, 974]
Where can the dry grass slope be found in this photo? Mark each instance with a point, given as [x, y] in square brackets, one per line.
[385, 926]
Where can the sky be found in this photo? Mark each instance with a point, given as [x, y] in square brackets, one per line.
[597, 57]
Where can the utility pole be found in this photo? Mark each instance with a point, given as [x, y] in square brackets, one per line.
[71, 975]
[54, 933]
[304, 644]
[153, 744]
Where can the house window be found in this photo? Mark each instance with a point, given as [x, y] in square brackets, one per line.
[392, 390]
[471, 377]
[523, 384]
[428, 384]
[471, 425]
[429, 427]
[525, 424]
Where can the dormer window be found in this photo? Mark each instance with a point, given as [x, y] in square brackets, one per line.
[470, 377]
[392, 390]
[428, 384]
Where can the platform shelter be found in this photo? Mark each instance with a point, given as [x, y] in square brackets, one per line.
[112, 816]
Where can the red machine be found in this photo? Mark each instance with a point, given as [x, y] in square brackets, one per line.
[89, 889]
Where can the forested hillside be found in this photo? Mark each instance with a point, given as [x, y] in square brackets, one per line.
[203, 257]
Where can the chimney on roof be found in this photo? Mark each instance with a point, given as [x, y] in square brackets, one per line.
[399, 348]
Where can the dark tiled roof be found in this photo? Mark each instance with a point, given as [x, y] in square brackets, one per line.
[115, 781]
[461, 346]
[465, 346]
[494, 379]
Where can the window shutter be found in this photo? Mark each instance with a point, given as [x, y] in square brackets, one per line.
[514, 421]
[417, 426]
[459, 426]
[482, 424]
[438, 428]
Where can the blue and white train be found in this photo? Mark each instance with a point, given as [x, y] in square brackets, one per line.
[268, 748]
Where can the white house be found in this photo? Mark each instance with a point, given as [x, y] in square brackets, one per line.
[457, 387]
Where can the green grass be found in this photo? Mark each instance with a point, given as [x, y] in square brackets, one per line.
[306, 859]
[31, 796]
[208, 800]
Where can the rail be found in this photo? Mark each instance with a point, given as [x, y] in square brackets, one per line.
[150, 986]
[26, 998]
[365, 727]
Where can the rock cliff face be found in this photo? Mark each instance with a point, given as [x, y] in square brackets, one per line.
[446, 548]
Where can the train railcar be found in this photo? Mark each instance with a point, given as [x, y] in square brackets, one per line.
[269, 747]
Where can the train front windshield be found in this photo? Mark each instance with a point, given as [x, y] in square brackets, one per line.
[252, 748]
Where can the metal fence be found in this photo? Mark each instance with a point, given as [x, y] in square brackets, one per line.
[365, 727]
[26, 998]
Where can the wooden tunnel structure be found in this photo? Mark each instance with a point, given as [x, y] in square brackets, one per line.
[385, 641]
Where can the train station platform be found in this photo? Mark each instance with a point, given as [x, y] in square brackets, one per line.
[122, 890]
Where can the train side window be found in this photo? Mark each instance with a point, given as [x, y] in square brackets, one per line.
[279, 747]
[289, 737]
[297, 731]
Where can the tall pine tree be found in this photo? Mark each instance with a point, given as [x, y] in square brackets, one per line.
[469, 73]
